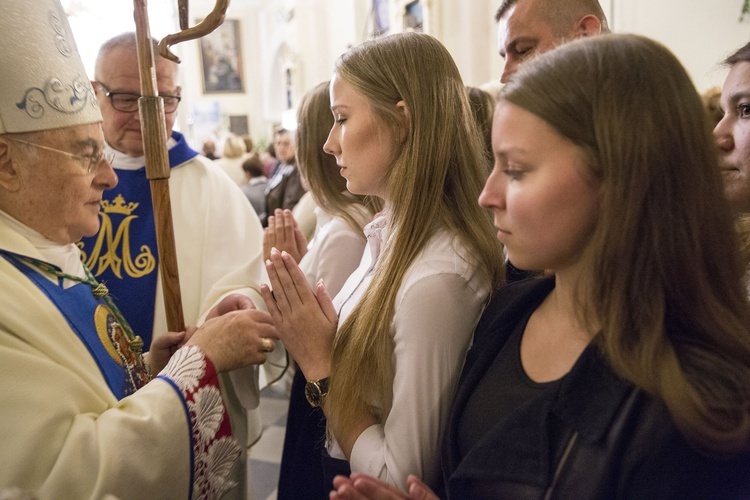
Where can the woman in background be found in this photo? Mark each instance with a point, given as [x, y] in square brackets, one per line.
[233, 156]
[483, 107]
[332, 255]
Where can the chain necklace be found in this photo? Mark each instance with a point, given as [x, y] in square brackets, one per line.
[98, 289]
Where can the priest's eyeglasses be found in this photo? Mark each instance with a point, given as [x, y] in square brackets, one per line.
[128, 102]
[88, 162]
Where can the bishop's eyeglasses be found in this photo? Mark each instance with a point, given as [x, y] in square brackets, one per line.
[127, 102]
[88, 162]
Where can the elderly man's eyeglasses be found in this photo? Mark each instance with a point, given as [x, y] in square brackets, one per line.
[88, 162]
[128, 102]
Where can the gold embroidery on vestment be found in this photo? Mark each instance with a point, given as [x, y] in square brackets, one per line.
[112, 247]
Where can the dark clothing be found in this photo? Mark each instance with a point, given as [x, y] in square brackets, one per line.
[256, 195]
[283, 191]
[301, 474]
[510, 386]
[597, 437]
[513, 274]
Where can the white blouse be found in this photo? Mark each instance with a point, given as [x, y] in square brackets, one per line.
[437, 307]
[335, 249]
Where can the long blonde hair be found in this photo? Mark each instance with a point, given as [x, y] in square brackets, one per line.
[665, 275]
[433, 183]
[325, 183]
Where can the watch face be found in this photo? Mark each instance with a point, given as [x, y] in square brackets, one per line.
[315, 391]
[312, 393]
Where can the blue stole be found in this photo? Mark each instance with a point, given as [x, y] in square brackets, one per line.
[95, 325]
[123, 254]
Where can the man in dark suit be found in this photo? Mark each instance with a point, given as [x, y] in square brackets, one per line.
[285, 187]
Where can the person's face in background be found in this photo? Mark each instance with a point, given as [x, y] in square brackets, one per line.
[544, 207]
[522, 33]
[732, 135]
[283, 143]
[530, 27]
[361, 142]
[119, 73]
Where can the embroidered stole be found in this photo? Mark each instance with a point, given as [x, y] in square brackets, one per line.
[93, 322]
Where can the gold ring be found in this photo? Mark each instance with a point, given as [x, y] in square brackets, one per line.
[266, 345]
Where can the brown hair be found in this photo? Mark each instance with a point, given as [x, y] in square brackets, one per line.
[740, 55]
[711, 99]
[742, 224]
[483, 108]
[664, 281]
[253, 165]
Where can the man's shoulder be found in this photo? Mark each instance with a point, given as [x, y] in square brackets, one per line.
[203, 171]
[198, 161]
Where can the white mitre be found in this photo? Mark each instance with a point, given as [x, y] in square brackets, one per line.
[43, 84]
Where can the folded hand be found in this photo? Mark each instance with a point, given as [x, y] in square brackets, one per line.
[283, 234]
[306, 322]
[363, 487]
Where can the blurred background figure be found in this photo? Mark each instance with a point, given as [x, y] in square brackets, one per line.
[231, 163]
[255, 183]
[304, 213]
[268, 157]
[482, 107]
[712, 102]
[285, 185]
[249, 144]
[209, 150]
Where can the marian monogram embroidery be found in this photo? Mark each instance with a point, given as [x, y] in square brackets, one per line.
[112, 246]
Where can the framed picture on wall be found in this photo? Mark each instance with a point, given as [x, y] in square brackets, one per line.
[221, 59]
[413, 18]
[238, 125]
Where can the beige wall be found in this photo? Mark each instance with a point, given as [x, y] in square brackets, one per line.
[700, 33]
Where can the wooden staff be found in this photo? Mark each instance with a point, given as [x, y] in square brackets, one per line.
[154, 132]
[210, 23]
[151, 109]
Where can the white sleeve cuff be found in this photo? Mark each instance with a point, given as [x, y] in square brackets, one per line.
[367, 453]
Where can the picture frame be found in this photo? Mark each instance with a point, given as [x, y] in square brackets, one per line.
[413, 16]
[221, 59]
[239, 125]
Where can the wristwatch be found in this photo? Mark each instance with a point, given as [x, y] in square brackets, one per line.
[316, 391]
